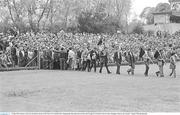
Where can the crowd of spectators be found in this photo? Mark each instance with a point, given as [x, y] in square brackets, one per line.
[26, 49]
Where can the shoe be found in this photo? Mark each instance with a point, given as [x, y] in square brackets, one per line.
[100, 71]
[128, 72]
[162, 76]
[109, 72]
[89, 70]
[145, 75]
[157, 74]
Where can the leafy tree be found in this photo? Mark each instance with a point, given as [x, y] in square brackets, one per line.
[147, 14]
[138, 29]
[98, 21]
[163, 7]
[55, 15]
[136, 26]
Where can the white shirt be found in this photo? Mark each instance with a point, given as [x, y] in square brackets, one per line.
[146, 55]
[30, 54]
[22, 52]
[71, 54]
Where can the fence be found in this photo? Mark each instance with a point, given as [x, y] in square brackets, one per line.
[20, 62]
[38, 61]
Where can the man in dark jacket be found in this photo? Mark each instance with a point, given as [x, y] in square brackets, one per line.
[104, 60]
[62, 59]
[160, 57]
[56, 59]
[14, 56]
[118, 59]
[79, 65]
[93, 55]
[47, 59]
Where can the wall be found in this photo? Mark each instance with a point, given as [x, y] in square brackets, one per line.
[161, 18]
[171, 27]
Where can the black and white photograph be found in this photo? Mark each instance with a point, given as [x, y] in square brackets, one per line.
[90, 56]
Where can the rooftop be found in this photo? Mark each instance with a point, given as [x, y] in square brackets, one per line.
[174, 1]
[172, 13]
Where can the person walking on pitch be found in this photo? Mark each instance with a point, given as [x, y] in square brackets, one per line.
[118, 59]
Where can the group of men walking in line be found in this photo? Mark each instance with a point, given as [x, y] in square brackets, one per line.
[88, 59]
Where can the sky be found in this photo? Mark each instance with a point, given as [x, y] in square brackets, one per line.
[139, 5]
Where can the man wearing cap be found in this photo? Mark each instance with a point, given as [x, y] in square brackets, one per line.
[62, 59]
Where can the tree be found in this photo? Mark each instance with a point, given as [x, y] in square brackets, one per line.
[22, 12]
[136, 26]
[163, 7]
[138, 29]
[90, 21]
[147, 14]
[55, 15]
[98, 21]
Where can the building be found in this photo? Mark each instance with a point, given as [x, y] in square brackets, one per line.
[175, 5]
[168, 21]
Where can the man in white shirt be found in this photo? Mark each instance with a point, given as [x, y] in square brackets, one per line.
[71, 58]
[84, 59]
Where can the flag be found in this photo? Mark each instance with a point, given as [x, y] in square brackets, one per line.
[156, 55]
[142, 52]
[100, 42]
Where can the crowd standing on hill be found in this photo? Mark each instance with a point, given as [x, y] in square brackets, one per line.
[83, 51]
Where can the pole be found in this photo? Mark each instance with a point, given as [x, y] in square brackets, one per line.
[39, 60]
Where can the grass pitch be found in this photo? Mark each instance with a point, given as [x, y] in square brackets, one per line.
[69, 91]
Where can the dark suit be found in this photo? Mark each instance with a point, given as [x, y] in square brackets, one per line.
[56, 60]
[21, 59]
[14, 56]
[47, 59]
[35, 55]
[118, 60]
[93, 59]
[103, 61]
[25, 57]
[79, 66]
[62, 60]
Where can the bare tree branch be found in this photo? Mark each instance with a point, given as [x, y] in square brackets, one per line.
[44, 9]
[15, 7]
[10, 12]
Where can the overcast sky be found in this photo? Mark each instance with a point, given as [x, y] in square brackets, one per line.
[139, 5]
